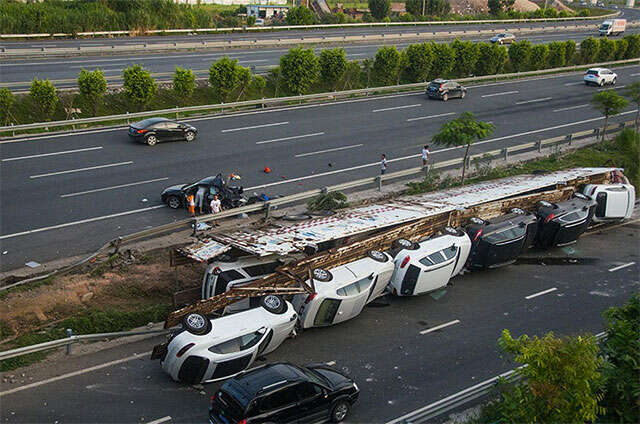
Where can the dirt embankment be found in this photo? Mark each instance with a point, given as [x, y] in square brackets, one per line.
[465, 7]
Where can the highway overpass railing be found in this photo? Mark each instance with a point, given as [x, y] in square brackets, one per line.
[290, 100]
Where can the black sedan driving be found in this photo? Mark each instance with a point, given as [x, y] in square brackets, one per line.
[230, 196]
[155, 130]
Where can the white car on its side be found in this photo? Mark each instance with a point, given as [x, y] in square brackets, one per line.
[600, 76]
[207, 350]
[342, 292]
[614, 201]
[429, 265]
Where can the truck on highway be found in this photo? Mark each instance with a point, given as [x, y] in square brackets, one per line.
[612, 27]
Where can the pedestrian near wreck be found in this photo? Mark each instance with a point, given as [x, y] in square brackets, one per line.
[216, 207]
[425, 159]
[200, 197]
[383, 164]
[191, 204]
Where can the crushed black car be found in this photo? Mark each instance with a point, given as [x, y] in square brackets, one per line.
[563, 223]
[230, 196]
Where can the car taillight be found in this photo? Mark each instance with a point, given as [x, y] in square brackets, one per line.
[310, 297]
[217, 270]
[184, 349]
[242, 422]
[549, 218]
[478, 234]
[441, 89]
[141, 131]
[212, 398]
[405, 261]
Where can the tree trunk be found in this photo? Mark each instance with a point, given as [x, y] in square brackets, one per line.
[464, 162]
[637, 117]
[604, 130]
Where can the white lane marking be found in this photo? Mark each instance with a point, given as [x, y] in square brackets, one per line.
[74, 373]
[328, 150]
[255, 126]
[574, 83]
[533, 101]
[358, 54]
[253, 60]
[571, 108]
[52, 154]
[531, 296]
[504, 93]
[635, 75]
[615, 268]
[80, 193]
[18, 140]
[96, 66]
[290, 138]
[394, 108]
[613, 87]
[438, 327]
[430, 116]
[69, 171]
[83, 221]
[161, 420]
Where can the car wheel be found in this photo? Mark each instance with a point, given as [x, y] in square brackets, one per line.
[586, 83]
[464, 93]
[173, 202]
[196, 323]
[273, 303]
[402, 243]
[476, 220]
[377, 256]
[340, 411]
[190, 136]
[601, 83]
[322, 274]
[152, 140]
[445, 97]
[613, 82]
[517, 211]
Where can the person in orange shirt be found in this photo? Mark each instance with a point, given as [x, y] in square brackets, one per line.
[191, 204]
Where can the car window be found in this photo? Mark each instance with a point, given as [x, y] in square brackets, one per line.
[279, 399]
[327, 312]
[231, 406]
[307, 390]
[355, 288]
[224, 278]
[592, 72]
[172, 125]
[505, 235]
[238, 344]
[159, 126]
[574, 216]
[449, 252]
[261, 269]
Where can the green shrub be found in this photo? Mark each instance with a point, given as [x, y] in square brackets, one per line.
[139, 85]
[633, 46]
[328, 202]
[386, 66]
[589, 50]
[184, 82]
[45, 96]
[226, 76]
[6, 103]
[419, 60]
[444, 59]
[333, 65]
[556, 57]
[539, 57]
[569, 51]
[380, 8]
[621, 48]
[92, 86]
[466, 54]
[299, 15]
[606, 50]
[628, 143]
[300, 70]
[520, 55]
[491, 59]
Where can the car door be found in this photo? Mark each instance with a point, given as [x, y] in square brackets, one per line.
[438, 269]
[174, 131]
[280, 406]
[313, 404]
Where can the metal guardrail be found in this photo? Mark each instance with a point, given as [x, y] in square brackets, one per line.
[127, 117]
[465, 396]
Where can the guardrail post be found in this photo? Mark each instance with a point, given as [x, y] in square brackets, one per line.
[69, 334]
[267, 210]
[505, 153]
[176, 112]
[569, 138]
[539, 146]
[324, 190]
[13, 132]
[468, 164]
[379, 182]
[73, 126]
[127, 118]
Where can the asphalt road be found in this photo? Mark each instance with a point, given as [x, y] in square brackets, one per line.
[18, 74]
[397, 369]
[69, 194]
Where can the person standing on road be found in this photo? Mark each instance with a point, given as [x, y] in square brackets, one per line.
[191, 204]
[383, 164]
[425, 159]
[200, 197]
[216, 206]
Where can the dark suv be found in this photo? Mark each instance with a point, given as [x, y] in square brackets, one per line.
[444, 89]
[500, 240]
[284, 393]
[562, 223]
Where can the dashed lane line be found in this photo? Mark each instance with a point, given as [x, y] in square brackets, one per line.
[531, 296]
[290, 138]
[328, 150]
[438, 327]
[504, 93]
[90, 168]
[616, 268]
[524, 102]
[255, 126]
[396, 107]
[80, 193]
[66, 152]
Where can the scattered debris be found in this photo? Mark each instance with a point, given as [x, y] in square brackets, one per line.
[32, 264]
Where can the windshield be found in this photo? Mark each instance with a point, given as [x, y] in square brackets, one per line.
[592, 72]
[604, 26]
[229, 405]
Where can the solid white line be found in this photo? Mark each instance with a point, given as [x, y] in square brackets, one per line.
[533, 101]
[635, 75]
[612, 87]
[500, 94]
[571, 108]
[255, 126]
[52, 154]
[394, 108]
[328, 150]
[161, 420]
[253, 60]
[574, 83]
[74, 373]
[52, 136]
[83, 221]
[531, 296]
[621, 266]
[113, 187]
[430, 116]
[81, 169]
[290, 138]
[446, 324]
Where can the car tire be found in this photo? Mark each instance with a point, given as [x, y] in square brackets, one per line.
[196, 323]
[190, 136]
[601, 83]
[151, 140]
[322, 274]
[174, 202]
[403, 243]
[613, 81]
[378, 256]
[464, 93]
[274, 304]
[586, 83]
[340, 411]
[445, 97]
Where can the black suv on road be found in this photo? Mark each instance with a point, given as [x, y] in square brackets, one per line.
[284, 393]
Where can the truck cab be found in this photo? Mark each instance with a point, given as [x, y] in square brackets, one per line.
[612, 27]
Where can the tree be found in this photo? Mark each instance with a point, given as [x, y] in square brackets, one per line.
[379, 8]
[299, 15]
[569, 51]
[507, 5]
[444, 58]
[608, 103]
[139, 85]
[606, 50]
[225, 76]
[300, 70]
[633, 46]
[419, 60]
[184, 82]
[539, 56]
[562, 378]
[333, 65]
[632, 91]
[414, 7]
[621, 48]
[556, 57]
[589, 50]
[258, 84]
[495, 7]
[463, 131]
[352, 75]
[386, 65]
[92, 86]
[520, 55]
[244, 81]
[491, 59]
[467, 54]
[45, 96]
[6, 102]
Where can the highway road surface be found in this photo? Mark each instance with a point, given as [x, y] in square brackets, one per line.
[68, 194]
[398, 363]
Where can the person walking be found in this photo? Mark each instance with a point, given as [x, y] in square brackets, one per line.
[191, 204]
[383, 164]
[216, 206]
[425, 159]
[200, 197]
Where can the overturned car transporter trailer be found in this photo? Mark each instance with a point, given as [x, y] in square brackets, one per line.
[410, 217]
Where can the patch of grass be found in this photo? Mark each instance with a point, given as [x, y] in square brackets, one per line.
[28, 286]
[5, 330]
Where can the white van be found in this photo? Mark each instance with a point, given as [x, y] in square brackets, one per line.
[614, 201]
[427, 266]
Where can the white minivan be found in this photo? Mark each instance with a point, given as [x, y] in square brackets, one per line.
[429, 265]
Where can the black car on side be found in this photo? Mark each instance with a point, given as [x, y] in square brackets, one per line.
[499, 241]
[282, 393]
[563, 223]
[230, 196]
[445, 89]
[155, 130]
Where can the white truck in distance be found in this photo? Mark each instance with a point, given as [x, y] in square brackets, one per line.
[612, 27]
